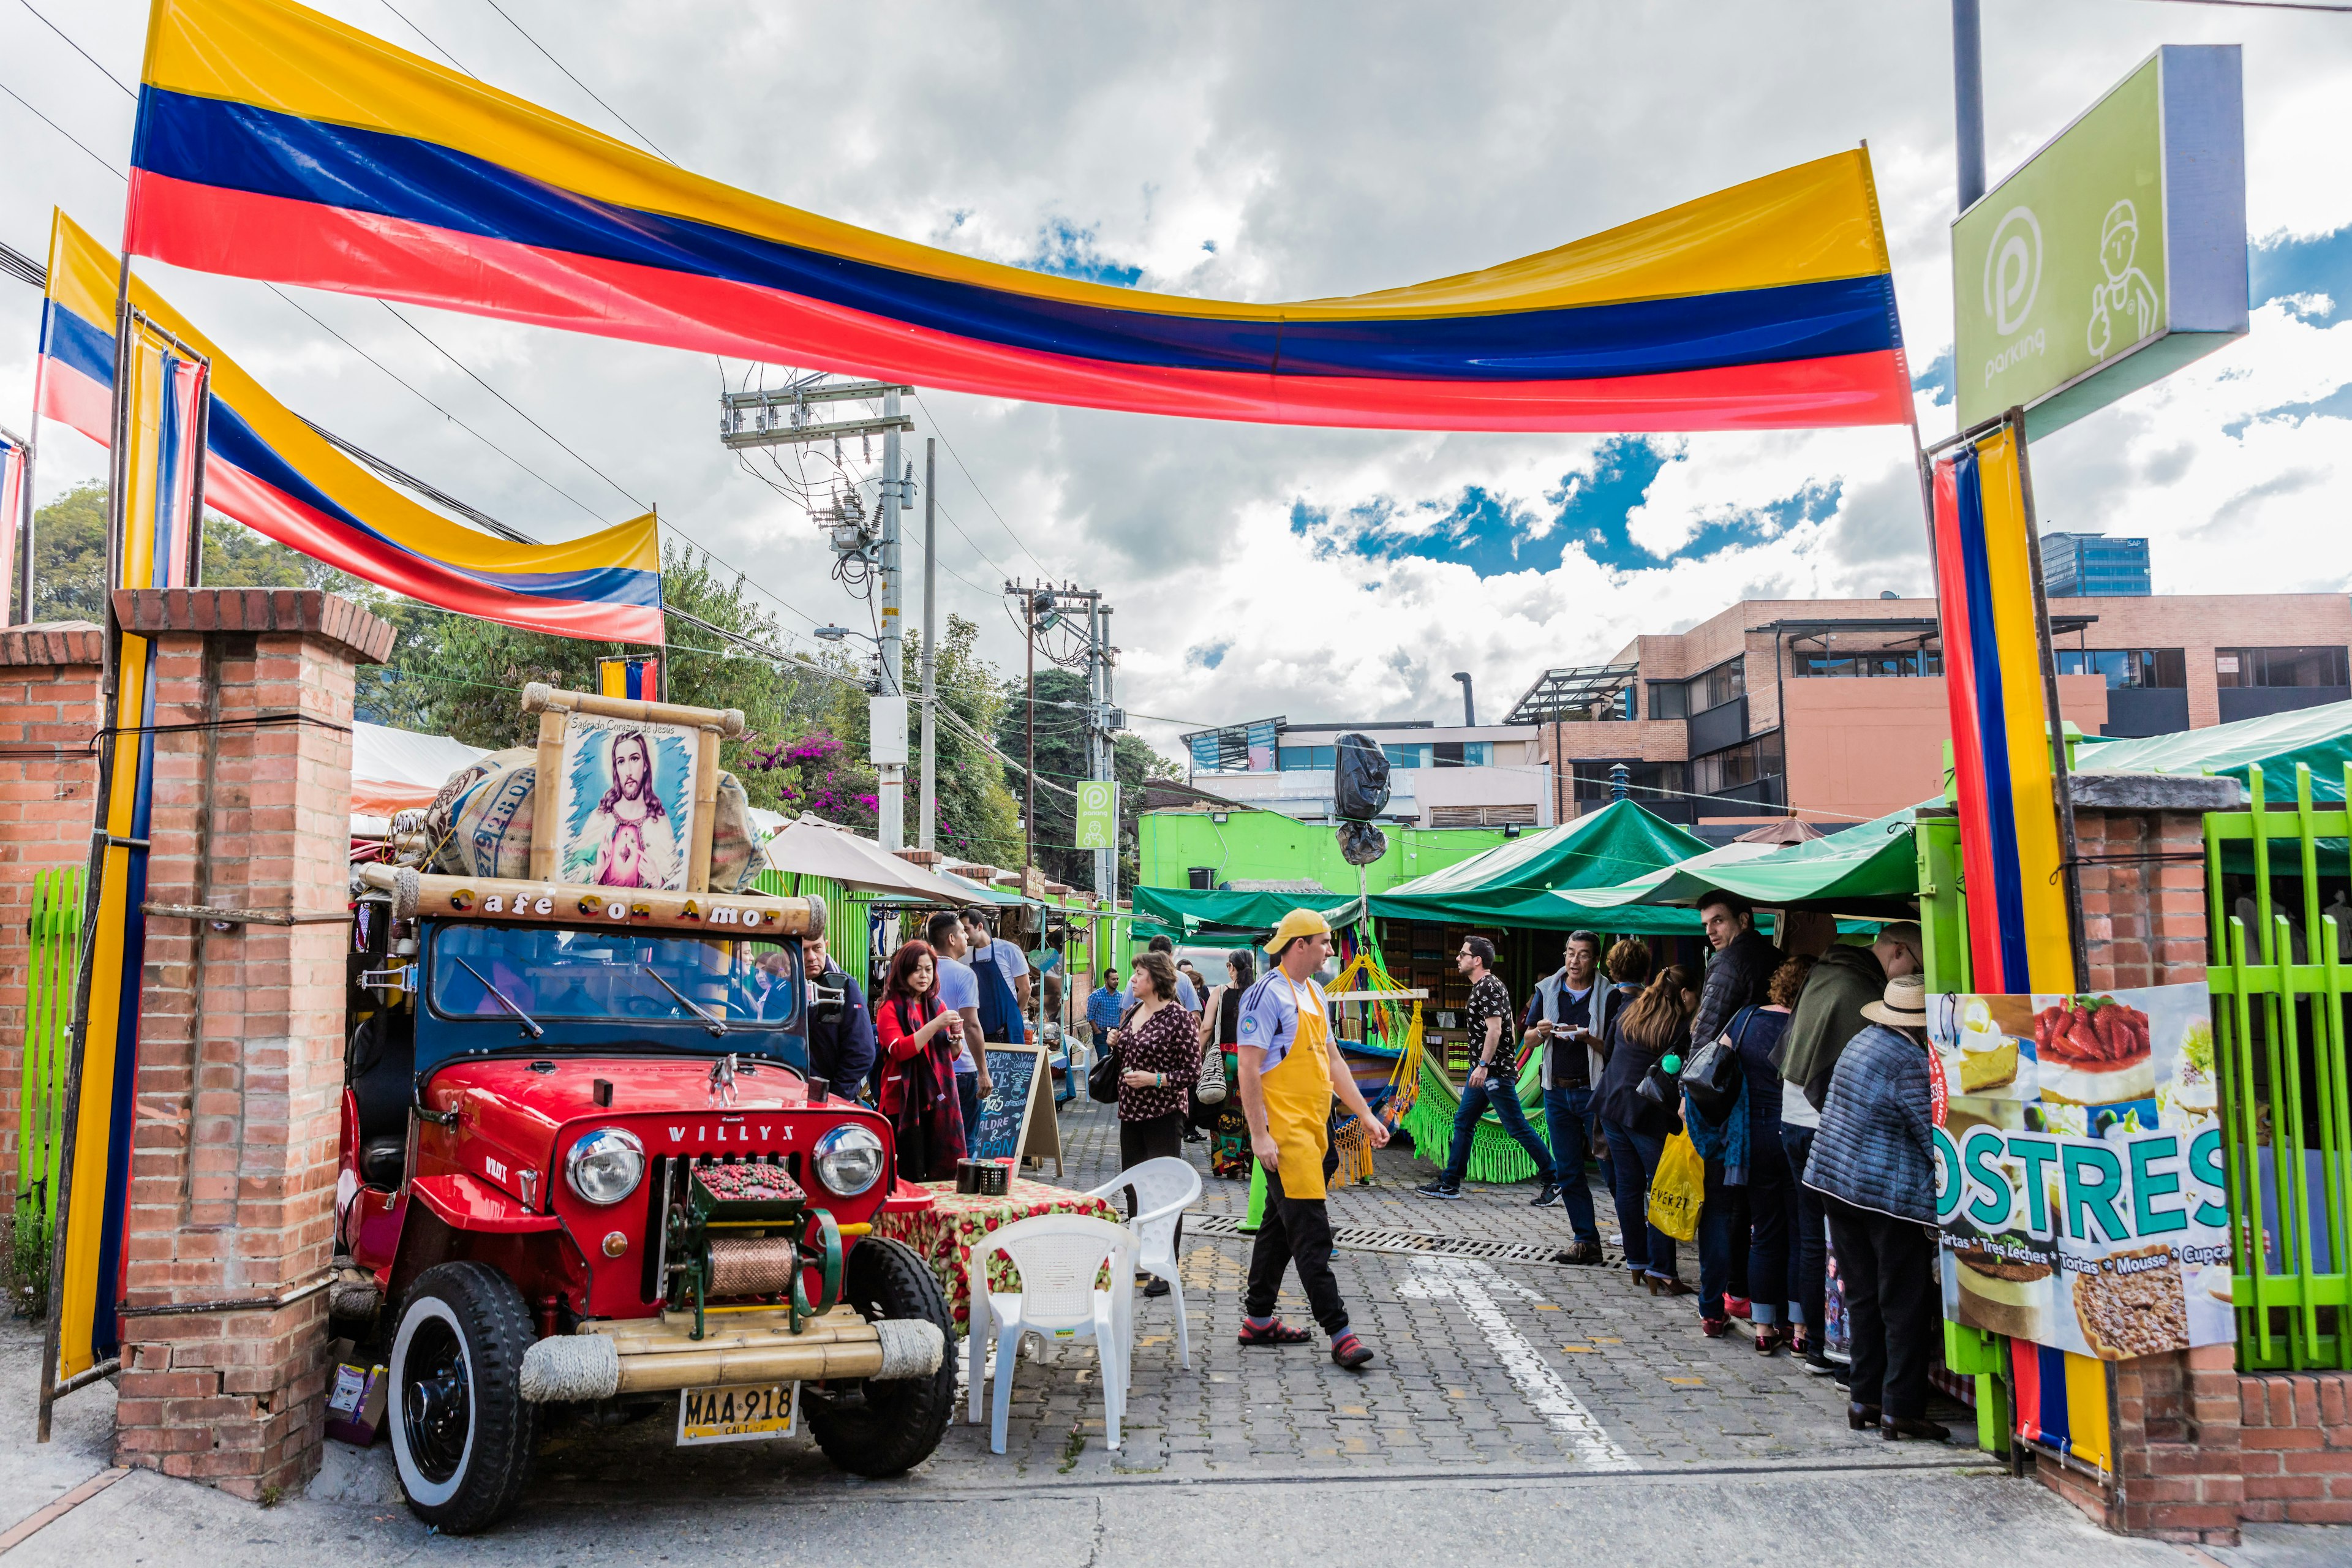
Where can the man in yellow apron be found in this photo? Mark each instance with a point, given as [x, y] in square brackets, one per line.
[1289, 1071]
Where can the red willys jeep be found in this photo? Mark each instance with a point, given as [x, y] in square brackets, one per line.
[582, 1162]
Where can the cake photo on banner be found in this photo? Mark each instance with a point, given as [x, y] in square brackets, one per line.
[2079, 1178]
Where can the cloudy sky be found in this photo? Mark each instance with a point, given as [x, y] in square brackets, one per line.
[1271, 152]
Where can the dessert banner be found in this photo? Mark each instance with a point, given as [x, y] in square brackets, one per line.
[2079, 1169]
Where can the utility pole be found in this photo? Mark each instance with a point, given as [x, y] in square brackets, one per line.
[784, 417]
[1968, 98]
[1042, 609]
[1029, 769]
[927, 816]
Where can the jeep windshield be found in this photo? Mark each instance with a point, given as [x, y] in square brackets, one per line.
[703, 988]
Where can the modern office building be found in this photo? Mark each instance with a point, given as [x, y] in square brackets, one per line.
[1834, 710]
[2094, 566]
[1442, 775]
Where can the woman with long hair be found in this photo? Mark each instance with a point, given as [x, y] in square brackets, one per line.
[1229, 1136]
[1653, 1025]
[916, 1038]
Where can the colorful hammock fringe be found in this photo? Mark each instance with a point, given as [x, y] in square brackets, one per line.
[274, 143]
[2000, 722]
[268, 469]
[1495, 1155]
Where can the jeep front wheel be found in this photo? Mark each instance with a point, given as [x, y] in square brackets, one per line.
[461, 1434]
[872, 1428]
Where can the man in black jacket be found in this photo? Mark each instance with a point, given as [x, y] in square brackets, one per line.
[1741, 974]
[840, 1030]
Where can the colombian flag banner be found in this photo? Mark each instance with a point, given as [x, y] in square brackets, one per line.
[273, 142]
[2018, 935]
[166, 399]
[268, 469]
[15, 462]
[631, 677]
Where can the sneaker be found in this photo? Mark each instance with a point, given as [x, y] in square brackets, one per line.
[1438, 1189]
[1272, 1331]
[1546, 1198]
[1715, 1328]
[1583, 1252]
[1736, 1306]
[1349, 1351]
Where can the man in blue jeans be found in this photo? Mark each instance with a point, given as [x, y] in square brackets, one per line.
[1493, 1080]
[1567, 1015]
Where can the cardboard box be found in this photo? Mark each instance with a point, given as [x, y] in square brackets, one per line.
[355, 1401]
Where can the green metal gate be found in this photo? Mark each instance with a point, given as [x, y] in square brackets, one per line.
[2279, 981]
[51, 967]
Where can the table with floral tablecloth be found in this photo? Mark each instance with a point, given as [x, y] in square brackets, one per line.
[944, 1236]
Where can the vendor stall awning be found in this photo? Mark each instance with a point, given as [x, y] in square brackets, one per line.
[1535, 879]
[2274, 742]
[397, 770]
[1871, 869]
[813, 847]
[1185, 910]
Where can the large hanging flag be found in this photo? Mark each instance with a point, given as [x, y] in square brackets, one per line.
[268, 469]
[160, 499]
[2018, 929]
[274, 143]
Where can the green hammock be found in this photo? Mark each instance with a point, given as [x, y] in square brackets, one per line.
[1495, 1155]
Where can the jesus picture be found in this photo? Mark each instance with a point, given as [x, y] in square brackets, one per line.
[627, 794]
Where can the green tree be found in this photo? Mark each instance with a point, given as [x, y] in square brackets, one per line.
[979, 817]
[70, 556]
[1062, 761]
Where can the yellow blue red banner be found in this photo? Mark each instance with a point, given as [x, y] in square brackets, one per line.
[16, 468]
[165, 397]
[268, 469]
[275, 142]
[2018, 938]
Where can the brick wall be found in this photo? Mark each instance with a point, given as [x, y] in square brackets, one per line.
[240, 1058]
[2296, 1442]
[48, 709]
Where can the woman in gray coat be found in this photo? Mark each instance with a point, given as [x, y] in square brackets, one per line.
[1873, 1161]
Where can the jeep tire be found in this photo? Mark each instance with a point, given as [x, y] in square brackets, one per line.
[886, 1428]
[461, 1434]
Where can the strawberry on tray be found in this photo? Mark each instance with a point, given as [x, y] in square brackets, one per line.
[2094, 1050]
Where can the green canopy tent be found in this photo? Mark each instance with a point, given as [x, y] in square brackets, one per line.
[2320, 737]
[1869, 869]
[1186, 913]
[1531, 881]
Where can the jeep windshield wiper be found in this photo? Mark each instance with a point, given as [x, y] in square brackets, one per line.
[531, 1024]
[711, 1022]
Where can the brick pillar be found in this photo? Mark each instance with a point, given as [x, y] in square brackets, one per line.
[48, 708]
[241, 1040]
[2176, 1419]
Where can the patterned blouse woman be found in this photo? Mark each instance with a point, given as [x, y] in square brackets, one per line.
[1159, 1059]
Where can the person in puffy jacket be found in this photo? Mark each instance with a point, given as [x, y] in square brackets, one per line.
[1873, 1163]
[1741, 970]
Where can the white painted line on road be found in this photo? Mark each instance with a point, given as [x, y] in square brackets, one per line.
[1472, 1285]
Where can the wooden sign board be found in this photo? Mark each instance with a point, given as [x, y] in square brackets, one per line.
[494, 898]
[1017, 1117]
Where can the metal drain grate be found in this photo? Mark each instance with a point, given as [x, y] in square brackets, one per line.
[1366, 1238]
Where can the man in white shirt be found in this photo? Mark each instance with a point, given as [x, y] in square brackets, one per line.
[959, 993]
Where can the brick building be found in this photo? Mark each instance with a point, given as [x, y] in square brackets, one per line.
[1834, 709]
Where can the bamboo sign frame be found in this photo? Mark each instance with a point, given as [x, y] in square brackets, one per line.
[504, 898]
[557, 709]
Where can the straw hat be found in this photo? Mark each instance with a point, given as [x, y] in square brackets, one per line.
[1905, 1005]
[1296, 924]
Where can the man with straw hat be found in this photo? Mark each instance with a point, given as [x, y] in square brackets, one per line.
[1289, 1071]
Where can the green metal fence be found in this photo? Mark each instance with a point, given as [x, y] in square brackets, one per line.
[2279, 982]
[51, 968]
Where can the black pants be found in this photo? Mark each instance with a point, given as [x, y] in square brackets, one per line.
[1809, 1242]
[1152, 1139]
[1892, 1305]
[1294, 1230]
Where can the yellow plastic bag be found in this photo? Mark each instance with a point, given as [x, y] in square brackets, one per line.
[1678, 1188]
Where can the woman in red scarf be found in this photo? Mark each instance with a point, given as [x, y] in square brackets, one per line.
[917, 1039]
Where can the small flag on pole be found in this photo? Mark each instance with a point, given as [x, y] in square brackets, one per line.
[631, 676]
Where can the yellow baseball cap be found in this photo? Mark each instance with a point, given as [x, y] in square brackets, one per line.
[1296, 924]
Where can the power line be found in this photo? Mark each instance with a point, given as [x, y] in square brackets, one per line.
[76, 49]
[428, 39]
[62, 131]
[582, 86]
[978, 491]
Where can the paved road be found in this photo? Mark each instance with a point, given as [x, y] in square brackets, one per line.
[1517, 1411]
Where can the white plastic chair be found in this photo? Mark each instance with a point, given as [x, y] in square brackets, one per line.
[1059, 1255]
[1164, 1189]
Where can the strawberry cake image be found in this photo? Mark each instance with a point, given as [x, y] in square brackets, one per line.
[2094, 1050]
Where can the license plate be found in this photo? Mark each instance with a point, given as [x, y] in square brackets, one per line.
[738, 1413]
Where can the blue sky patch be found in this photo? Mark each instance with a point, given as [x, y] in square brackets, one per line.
[2320, 266]
[1069, 251]
[1208, 656]
[1936, 378]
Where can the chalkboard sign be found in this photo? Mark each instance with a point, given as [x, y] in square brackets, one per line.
[1013, 1072]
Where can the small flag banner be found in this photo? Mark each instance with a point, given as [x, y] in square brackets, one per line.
[631, 676]
[2062, 1402]
[165, 395]
[16, 468]
[2018, 936]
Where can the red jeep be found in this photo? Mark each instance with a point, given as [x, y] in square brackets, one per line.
[582, 1162]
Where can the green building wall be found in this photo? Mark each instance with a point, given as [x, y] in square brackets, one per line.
[1266, 845]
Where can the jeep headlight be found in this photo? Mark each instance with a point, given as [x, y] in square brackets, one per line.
[849, 1159]
[605, 1166]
